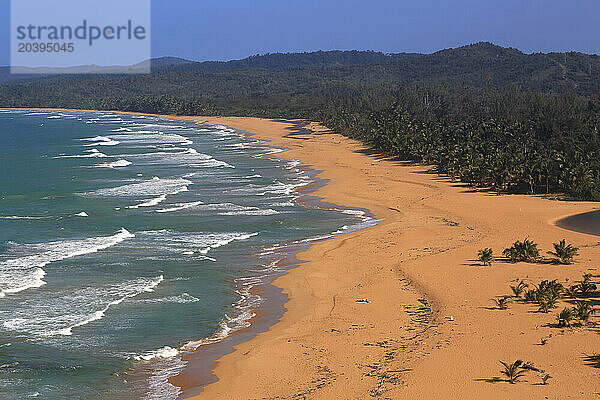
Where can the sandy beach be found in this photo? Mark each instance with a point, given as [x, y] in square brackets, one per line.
[430, 330]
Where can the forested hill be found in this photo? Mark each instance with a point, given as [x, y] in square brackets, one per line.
[489, 116]
[480, 65]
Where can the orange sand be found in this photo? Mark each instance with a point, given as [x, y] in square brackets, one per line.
[417, 267]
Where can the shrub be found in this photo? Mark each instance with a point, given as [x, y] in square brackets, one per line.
[565, 317]
[502, 303]
[586, 286]
[583, 311]
[545, 379]
[550, 288]
[513, 371]
[546, 304]
[572, 290]
[563, 252]
[526, 251]
[546, 294]
[485, 256]
[531, 295]
[519, 288]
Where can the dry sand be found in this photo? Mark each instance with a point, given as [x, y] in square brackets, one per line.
[417, 267]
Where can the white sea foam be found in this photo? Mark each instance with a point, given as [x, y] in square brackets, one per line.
[150, 137]
[283, 204]
[183, 298]
[115, 164]
[225, 241]
[152, 202]
[100, 141]
[256, 212]
[65, 311]
[122, 130]
[245, 306]
[165, 352]
[179, 206]
[93, 153]
[152, 187]
[26, 272]
[277, 188]
[189, 157]
[81, 214]
[159, 387]
[198, 242]
[220, 208]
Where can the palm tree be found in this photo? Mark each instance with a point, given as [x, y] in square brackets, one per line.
[563, 252]
[583, 311]
[519, 288]
[526, 251]
[513, 371]
[565, 317]
[586, 286]
[546, 304]
[502, 303]
[485, 256]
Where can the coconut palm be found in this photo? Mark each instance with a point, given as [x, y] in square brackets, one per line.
[513, 371]
[545, 379]
[586, 286]
[526, 251]
[546, 304]
[572, 290]
[502, 302]
[583, 311]
[485, 256]
[564, 252]
[565, 317]
[551, 289]
[519, 288]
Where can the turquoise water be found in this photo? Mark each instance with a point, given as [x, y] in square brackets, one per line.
[125, 240]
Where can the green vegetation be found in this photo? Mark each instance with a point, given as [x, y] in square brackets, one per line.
[565, 317]
[502, 302]
[563, 252]
[585, 287]
[485, 256]
[545, 379]
[546, 304]
[526, 251]
[519, 288]
[514, 371]
[545, 294]
[583, 311]
[466, 111]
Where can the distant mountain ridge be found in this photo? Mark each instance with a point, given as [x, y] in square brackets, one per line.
[577, 70]
[480, 66]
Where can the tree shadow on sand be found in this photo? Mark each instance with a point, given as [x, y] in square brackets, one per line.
[494, 379]
[592, 360]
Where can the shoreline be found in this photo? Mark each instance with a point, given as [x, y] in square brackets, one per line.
[198, 372]
[417, 269]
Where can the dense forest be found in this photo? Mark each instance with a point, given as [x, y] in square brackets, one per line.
[486, 115]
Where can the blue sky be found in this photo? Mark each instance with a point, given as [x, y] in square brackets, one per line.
[230, 29]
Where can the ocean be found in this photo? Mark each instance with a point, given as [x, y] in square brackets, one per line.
[127, 240]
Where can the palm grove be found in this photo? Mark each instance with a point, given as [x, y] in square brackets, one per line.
[488, 116]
